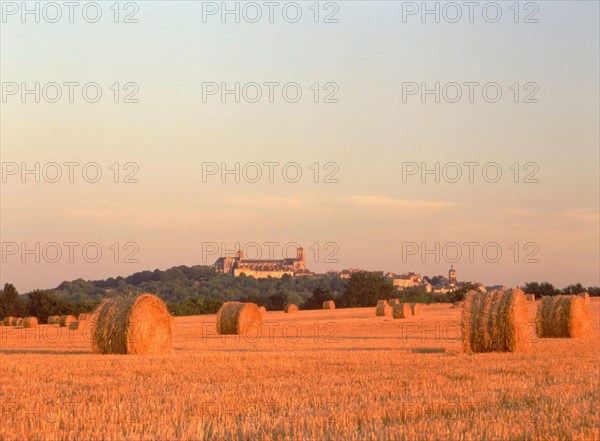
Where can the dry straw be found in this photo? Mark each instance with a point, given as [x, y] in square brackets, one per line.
[132, 325]
[19, 321]
[291, 308]
[416, 308]
[383, 308]
[30, 322]
[458, 304]
[9, 321]
[531, 297]
[263, 310]
[66, 320]
[495, 321]
[401, 311]
[328, 304]
[239, 318]
[54, 320]
[393, 302]
[85, 316]
[563, 317]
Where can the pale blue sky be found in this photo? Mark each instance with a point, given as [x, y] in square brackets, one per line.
[369, 133]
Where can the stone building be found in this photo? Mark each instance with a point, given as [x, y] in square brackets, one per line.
[408, 280]
[261, 269]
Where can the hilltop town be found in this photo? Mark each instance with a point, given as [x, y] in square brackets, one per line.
[276, 268]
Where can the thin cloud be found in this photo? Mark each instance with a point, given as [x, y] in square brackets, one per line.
[582, 215]
[404, 204]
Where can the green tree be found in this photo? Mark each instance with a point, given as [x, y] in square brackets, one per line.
[593, 291]
[318, 297]
[574, 289]
[11, 303]
[414, 294]
[196, 306]
[277, 301]
[459, 294]
[540, 289]
[365, 289]
[42, 304]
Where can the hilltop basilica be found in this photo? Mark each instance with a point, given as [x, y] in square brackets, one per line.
[261, 269]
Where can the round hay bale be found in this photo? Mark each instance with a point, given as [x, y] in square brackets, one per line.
[9, 321]
[383, 309]
[30, 322]
[19, 321]
[416, 308]
[328, 304]
[530, 297]
[132, 325]
[585, 296]
[393, 302]
[85, 316]
[563, 317]
[291, 308]
[53, 320]
[239, 318]
[66, 320]
[263, 310]
[401, 311]
[495, 321]
[78, 324]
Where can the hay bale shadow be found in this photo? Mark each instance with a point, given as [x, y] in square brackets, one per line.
[428, 350]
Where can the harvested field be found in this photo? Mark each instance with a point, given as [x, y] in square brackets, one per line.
[295, 379]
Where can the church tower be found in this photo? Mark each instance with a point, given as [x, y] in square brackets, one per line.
[300, 263]
[452, 275]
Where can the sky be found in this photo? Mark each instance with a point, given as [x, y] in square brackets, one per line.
[367, 120]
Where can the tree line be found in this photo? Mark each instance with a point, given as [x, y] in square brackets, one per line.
[199, 290]
[40, 304]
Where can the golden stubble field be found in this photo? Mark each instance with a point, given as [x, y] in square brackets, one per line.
[341, 374]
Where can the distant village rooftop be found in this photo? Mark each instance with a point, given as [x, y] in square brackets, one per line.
[438, 284]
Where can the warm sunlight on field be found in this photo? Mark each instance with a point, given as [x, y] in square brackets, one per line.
[330, 374]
